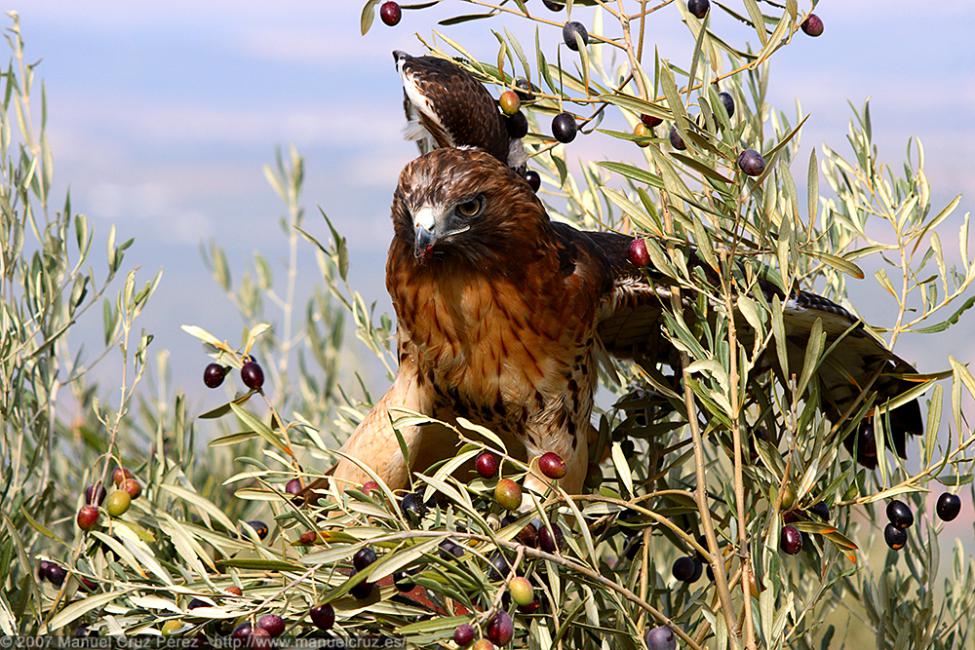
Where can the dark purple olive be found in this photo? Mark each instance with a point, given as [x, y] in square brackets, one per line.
[550, 539]
[661, 638]
[534, 180]
[703, 542]
[323, 616]
[83, 631]
[895, 537]
[362, 590]
[729, 103]
[390, 13]
[259, 638]
[259, 527]
[464, 635]
[790, 540]
[213, 375]
[525, 90]
[293, 486]
[95, 494]
[821, 510]
[863, 443]
[52, 572]
[813, 25]
[634, 541]
[499, 566]
[651, 120]
[528, 536]
[552, 6]
[242, 632]
[516, 125]
[252, 375]
[698, 8]
[687, 569]
[569, 33]
[273, 623]
[564, 127]
[751, 162]
[42, 568]
[56, 574]
[900, 514]
[363, 558]
[501, 629]
[450, 549]
[676, 141]
[948, 506]
[403, 581]
[413, 506]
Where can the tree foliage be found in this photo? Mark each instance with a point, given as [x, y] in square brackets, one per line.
[710, 467]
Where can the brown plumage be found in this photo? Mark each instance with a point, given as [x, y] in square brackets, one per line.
[501, 313]
[496, 320]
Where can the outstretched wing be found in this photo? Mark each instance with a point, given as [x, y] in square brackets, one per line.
[630, 328]
[447, 107]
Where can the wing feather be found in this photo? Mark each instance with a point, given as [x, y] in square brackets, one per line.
[630, 322]
[447, 106]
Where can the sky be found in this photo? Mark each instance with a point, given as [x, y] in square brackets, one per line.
[162, 114]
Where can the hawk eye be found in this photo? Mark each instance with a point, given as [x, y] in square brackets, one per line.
[471, 207]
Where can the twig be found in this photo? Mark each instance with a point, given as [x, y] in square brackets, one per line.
[701, 489]
[744, 552]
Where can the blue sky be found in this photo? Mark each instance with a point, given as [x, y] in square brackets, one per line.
[161, 115]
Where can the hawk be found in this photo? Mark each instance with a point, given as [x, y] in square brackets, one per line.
[502, 311]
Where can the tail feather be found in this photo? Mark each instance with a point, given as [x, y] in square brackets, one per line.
[905, 421]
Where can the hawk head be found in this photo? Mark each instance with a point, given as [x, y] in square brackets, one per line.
[447, 107]
[463, 205]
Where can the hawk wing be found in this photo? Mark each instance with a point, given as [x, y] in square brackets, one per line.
[446, 106]
[630, 321]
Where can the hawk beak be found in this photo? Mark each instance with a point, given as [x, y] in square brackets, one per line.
[423, 242]
[424, 234]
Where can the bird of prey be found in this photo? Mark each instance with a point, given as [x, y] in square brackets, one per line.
[502, 312]
[446, 107]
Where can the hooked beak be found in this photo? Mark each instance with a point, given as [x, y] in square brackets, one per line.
[423, 243]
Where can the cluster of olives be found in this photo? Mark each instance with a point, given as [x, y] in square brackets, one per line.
[251, 374]
[498, 629]
[900, 518]
[116, 504]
